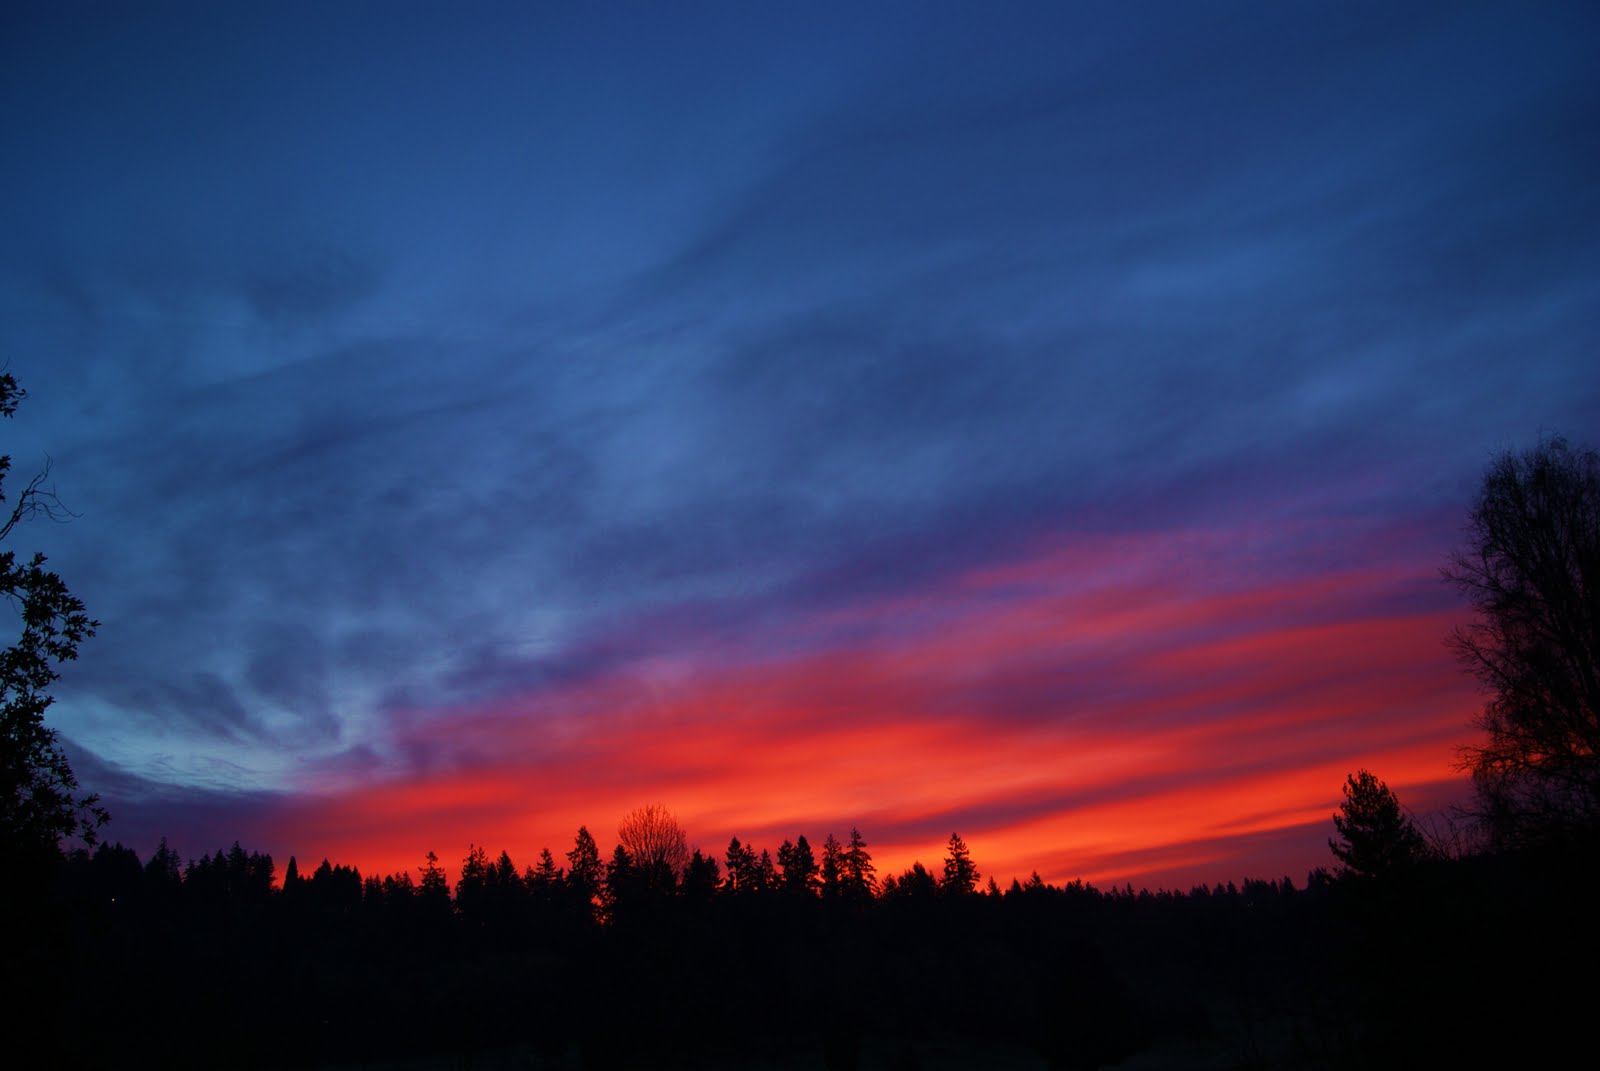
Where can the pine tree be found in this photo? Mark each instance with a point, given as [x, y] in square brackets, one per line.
[622, 885]
[471, 887]
[799, 867]
[585, 873]
[1376, 836]
[701, 878]
[545, 880]
[832, 870]
[858, 875]
[434, 888]
[741, 868]
[960, 873]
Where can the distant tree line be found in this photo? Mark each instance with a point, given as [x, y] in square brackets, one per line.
[577, 960]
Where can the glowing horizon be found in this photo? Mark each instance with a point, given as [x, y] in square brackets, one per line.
[1203, 718]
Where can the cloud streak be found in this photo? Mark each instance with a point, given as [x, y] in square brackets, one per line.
[1111, 704]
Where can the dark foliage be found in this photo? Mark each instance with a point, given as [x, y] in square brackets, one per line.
[336, 969]
[39, 802]
[1531, 570]
[1376, 836]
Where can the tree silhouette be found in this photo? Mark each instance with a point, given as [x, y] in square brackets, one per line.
[960, 872]
[164, 872]
[656, 844]
[472, 885]
[585, 872]
[434, 888]
[1531, 569]
[857, 874]
[741, 868]
[1376, 837]
[799, 867]
[832, 868]
[623, 884]
[39, 805]
[914, 883]
[545, 880]
[700, 878]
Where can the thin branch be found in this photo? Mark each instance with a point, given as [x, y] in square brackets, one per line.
[37, 499]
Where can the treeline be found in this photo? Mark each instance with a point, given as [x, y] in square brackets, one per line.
[804, 959]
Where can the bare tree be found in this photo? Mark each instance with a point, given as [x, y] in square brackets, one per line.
[655, 841]
[1531, 569]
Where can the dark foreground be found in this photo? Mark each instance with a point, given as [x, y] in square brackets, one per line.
[1481, 962]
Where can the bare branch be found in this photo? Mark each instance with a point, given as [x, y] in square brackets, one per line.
[38, 500]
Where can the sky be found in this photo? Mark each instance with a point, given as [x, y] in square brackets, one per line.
[1042, 422]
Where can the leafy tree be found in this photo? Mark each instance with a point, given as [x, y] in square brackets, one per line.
[1531, 570]
[960, 872]
[39, 804]
[1376, 836]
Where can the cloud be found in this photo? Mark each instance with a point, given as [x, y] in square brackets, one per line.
[1073, 720]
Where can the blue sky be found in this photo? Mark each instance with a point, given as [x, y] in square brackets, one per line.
[414, 369]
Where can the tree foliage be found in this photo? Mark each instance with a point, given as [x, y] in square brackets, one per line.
[1376, 836]
[38, 791]
[1531, 569]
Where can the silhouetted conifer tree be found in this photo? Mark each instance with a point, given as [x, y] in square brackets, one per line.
[585, 872]
[544, 881]
[164, 871]
[832, 869]
[764, 874]
[916, 882]
[472, 885]
[799, 867]
[960, 873]
[857, 874]
[701, 878]
[434, 888]
[741, 868]
[622, 884]
[1376, 836]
